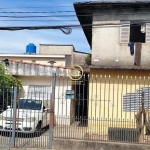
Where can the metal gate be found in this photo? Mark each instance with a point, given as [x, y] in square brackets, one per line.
[26, 119]
[6, 98]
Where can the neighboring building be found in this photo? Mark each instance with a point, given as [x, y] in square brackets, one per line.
[35, 72]
[37, 82]
[71, 55]
[109, 26]
[63, 55]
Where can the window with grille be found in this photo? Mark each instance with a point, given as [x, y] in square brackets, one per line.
[133, 101]
[39, 91]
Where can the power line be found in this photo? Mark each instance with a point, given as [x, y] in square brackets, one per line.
[66, 27]
[82, 4]
[29, 12]
[67, 11]
[40, 20]
[49, 16]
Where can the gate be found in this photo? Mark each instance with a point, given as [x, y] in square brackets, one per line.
[6, 97]
[26, 118]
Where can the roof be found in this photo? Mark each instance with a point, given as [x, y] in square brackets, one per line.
[114, 1]
[21, 62]
[82, 52]
[31, 55]
[84, 11]
[57, 44]
[120, 67]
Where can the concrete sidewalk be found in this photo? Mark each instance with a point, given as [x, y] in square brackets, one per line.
[68, 144]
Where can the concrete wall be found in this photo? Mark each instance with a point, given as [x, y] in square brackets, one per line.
[29, 69]
[79, 58]
[56, 49]
[64, 144]
[76, 57]
[59, 61]
[62, 105]
[60, 144]
[106, 46]
[106, 98]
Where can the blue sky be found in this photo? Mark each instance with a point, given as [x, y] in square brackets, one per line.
[16, 41]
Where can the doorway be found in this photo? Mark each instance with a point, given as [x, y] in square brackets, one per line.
[81, 101]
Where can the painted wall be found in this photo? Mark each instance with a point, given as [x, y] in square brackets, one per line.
[76, 57]
[63, 106]
[106, 98]
[106, 46]
[56, 49]
[79, 58]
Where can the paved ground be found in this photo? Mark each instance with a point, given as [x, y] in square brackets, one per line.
[41, 139]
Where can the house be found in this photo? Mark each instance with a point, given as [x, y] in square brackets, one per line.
[118, 33]
[35, 72]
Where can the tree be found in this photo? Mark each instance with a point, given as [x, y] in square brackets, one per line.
[7, 82]
[88, 59]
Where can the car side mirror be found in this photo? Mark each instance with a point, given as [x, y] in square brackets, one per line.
[8, 107]
[47, 109]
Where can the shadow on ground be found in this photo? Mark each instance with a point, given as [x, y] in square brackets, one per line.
[25, 135]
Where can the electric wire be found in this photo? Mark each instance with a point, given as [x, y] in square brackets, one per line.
[41, 20]
[68, 27]
[83, 4]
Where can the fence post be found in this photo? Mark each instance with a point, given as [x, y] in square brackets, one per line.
[14, 118]
[52, 105]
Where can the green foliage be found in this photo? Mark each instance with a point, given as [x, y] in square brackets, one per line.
[88, 59]
[7, 82]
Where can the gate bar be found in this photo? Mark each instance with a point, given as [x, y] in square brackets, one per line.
[14, 118]
[52, 105]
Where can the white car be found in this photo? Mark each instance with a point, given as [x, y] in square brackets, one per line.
[31, 115]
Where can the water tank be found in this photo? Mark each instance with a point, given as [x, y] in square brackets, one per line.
[31, 48]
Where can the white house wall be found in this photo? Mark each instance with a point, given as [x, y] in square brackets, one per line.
[62, 105]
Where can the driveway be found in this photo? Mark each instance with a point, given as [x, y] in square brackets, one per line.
[39, 139]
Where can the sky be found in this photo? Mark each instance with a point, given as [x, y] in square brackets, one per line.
[54, 12]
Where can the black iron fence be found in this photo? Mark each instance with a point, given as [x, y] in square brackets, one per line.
[100, 108]
[104, 108]
[25, 118]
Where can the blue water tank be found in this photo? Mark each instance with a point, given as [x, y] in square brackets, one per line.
[31, 48]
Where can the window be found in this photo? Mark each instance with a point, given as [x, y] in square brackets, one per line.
[39, 91]
[136, 35]
[132, 32]
[132, 101]
[124, 32]
[30, 104]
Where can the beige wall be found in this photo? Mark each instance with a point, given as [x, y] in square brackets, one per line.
[56, 50]
[76, 57]
[106, 46]
[79, 58]
[106, 98]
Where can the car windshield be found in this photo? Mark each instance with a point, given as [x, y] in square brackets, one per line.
[30, 104]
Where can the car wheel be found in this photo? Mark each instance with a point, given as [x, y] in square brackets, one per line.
[39, 125]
